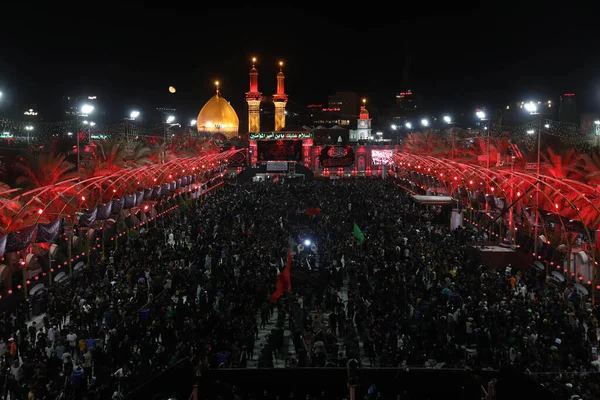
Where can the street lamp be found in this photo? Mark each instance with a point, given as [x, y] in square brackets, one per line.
[532, 109]
[408, 125]
[30, 112]
[90, 124]
[169, 121]
[28, 128]
[483, 117]
[448, 120]
[193, 122]
[84, 111]
[132, 116]
[424, 122]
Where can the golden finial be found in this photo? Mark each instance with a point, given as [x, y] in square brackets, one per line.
[217, 86]
[280, 65]
[253, 61]
[364, 101]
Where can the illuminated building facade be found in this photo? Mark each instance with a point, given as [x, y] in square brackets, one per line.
[280, 100]
[363, 125]
[300, 147]
[515, 113]
[253, 98]
[567, 111]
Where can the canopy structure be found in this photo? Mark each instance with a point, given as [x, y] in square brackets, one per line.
[573, 206]
[39, 212]
[433, 200]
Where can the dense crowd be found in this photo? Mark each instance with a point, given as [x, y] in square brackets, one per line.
[197, 286]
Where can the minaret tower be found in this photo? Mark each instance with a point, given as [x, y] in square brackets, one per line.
[253, 98]
[363, 125]
[280, 99]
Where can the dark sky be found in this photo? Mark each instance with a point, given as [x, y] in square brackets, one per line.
[128, 55]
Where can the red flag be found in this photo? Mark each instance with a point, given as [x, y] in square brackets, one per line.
[284, 283]
[313, 211]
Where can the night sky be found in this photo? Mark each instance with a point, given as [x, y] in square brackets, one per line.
[129, 55]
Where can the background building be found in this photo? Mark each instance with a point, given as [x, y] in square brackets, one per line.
[568, 111]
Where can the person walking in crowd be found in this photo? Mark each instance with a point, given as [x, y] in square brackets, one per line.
[407, 294]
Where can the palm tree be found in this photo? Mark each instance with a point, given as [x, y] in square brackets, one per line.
[425, 143]
[475, 149]
[8, 209]
[561, 165]
[137, 154]
[44, 170]
[590, 165]
[109, 157]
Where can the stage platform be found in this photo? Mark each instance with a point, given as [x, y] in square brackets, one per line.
[495, 256]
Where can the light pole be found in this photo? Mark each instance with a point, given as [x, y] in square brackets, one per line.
[531, 107]
[28, 128]
[448, 121]
[132, 116]
[193, 123]
[395, 129]
[84, 111]
[483, 117]
[90, 124]
[169, 122]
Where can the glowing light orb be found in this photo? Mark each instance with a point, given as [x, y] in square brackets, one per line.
[172, 89]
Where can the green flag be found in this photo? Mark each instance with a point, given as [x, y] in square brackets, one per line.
[358, 234]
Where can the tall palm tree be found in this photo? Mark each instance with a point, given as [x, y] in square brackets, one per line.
[137, 154]
[562, 165]
[425, 143]
[44, 170]
[590, 165]
[8, 209]
[475, 149]
[109, 157]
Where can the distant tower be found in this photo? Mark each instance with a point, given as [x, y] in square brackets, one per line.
[406, 84]
[253, 98]
[280, 99]
[363, 125]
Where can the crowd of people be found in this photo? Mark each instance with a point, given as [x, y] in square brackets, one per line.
[197, 286]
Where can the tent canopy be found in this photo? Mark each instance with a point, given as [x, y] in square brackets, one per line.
[433, 200]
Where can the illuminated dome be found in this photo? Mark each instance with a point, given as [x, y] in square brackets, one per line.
[364, 114]
[217, 116]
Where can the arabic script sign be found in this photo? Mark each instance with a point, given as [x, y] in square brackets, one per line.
[280, 150]
[337, 156]
[280, 135]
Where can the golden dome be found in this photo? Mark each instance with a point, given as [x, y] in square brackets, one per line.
[217, 116]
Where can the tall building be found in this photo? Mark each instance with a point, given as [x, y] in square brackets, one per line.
[253, 97]
[280, 100]
[363, 125]
[344, 103]
[73, 104]
[567, 111]
[407, 102]
[515, 113]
